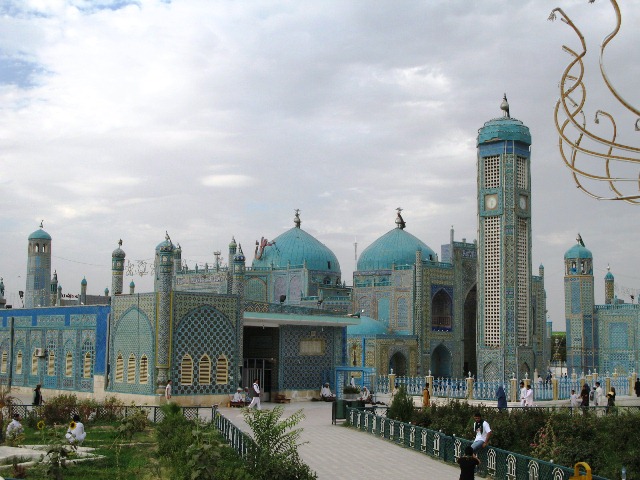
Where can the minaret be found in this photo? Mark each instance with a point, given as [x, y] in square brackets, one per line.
[504, 330]
[132, 288]
[164, 277]
[238, 266]
[117, 269]
[83, 292]
[582, 328]
[54, 288]
[233, 247]
[609, 285]
[177, 259]
[38, 289]
[59, 296]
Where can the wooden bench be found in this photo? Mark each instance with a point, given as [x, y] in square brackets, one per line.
[281, 398]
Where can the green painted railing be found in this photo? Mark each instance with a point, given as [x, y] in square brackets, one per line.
[494, 462]
[236, 438]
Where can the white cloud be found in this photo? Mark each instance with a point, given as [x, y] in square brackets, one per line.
[227, 181]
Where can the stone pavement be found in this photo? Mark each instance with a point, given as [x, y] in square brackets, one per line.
[336, 451]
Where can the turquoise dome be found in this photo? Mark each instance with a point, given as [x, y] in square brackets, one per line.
[367, 326]
[294, 247]
[504, 128]
[84, 281]
[397, 247]
[40, 234]
[578, 251]
[132, 284]
[608, 276]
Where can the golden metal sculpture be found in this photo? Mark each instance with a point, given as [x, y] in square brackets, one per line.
[571, 123]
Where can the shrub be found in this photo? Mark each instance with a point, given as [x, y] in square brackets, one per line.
[401, 407]
[133, 423]
[60, 409]
[111, 410]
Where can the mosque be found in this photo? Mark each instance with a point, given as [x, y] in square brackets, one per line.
[600, 338]
[289, 318]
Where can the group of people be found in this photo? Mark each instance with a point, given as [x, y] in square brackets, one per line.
[595, 395]
[526, 395]
[327, 396]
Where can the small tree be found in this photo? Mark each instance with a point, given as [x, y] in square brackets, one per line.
[402, 406]
[275, 452]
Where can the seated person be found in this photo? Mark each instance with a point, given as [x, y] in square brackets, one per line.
[75, 433]
[247, 397]
[15, 427]
[366, 395]
[238, 397]
[325, 393]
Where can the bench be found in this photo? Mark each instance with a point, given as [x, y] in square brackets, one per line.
[281, 398]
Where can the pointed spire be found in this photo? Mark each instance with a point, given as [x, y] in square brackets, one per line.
[504, 106]
[41, 223]
[296, 220]
[400, 223]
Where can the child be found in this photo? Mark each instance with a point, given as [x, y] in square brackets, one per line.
[468, 463]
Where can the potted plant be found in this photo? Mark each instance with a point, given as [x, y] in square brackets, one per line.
[350, 392]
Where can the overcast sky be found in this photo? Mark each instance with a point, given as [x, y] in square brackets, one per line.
[212, 119]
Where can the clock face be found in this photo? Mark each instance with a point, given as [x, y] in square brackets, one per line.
[490, 202]
[522, 201]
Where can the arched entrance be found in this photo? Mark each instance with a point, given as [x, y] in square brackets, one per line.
[470, 308]
[441, 362]
[398, 363]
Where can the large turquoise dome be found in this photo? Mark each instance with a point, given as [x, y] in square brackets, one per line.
[40, 235]
[367, 326]
[397, 247]
[578, 251]
[295, 247]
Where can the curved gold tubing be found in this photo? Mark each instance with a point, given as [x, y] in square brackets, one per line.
[571, 83]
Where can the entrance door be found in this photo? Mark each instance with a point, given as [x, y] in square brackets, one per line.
[398, 363]
[441, 362]
[259, 368]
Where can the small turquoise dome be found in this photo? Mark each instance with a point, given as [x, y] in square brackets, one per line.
[118, 252]
[83, 282]
[132, 284]
[504, 128]
[397, 247]
[166, 245]
[40, 234]
[608, 276]
[367, 326]
[578, 251]
[295, 247]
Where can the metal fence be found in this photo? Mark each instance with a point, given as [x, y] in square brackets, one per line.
[494, 462]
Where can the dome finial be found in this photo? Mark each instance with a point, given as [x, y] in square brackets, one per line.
[608, 268]
[400, 223]
[296, 220]
[120, 242]
[504, 106]
[579, 240]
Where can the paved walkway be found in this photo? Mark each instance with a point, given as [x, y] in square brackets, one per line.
[334, 450]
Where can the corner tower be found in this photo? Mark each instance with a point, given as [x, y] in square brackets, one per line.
[504, 331]
[117, 269]
[582, 331]
[38, 288]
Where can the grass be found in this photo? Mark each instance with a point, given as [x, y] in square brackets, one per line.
[127, 460]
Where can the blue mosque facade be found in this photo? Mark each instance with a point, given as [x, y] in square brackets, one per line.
[600, 338]
[287, 316]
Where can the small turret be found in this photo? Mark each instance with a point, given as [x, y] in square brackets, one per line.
[132, 288]
[83, 291]
[609, 287]
[117, 269]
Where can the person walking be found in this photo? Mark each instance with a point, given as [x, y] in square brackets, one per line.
[599, 396]
[502, 398]
[37, 395]
[523, 395]
[167, 391]
[584, 396]
[426, 396]
[528, 398]
[255, 394]
[574, 400]
[636, 387]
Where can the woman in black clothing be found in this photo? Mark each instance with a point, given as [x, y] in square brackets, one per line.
[37, 396]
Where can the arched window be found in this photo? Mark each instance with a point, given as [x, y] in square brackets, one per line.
[222, 370]
[131, 369]
[204, 370]
[36, 248]
[3, 367]
[19, 363]
[144, 369]
[119, 368]
[87, 364]
[44, 248]
[68, 365]
[34, 364]
[186, 371]
[441, 307]
[51, 364]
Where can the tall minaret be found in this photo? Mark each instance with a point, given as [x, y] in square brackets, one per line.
[582, 331]
[504, 329]
[38, 289]
[238, 269]
[164, 278]
[117, 269]
[233, 247]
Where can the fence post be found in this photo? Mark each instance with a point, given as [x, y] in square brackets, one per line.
[469, 388]
[513, 394]
[554, 386]
[392, 383]
[632, 383]
[429, 380]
